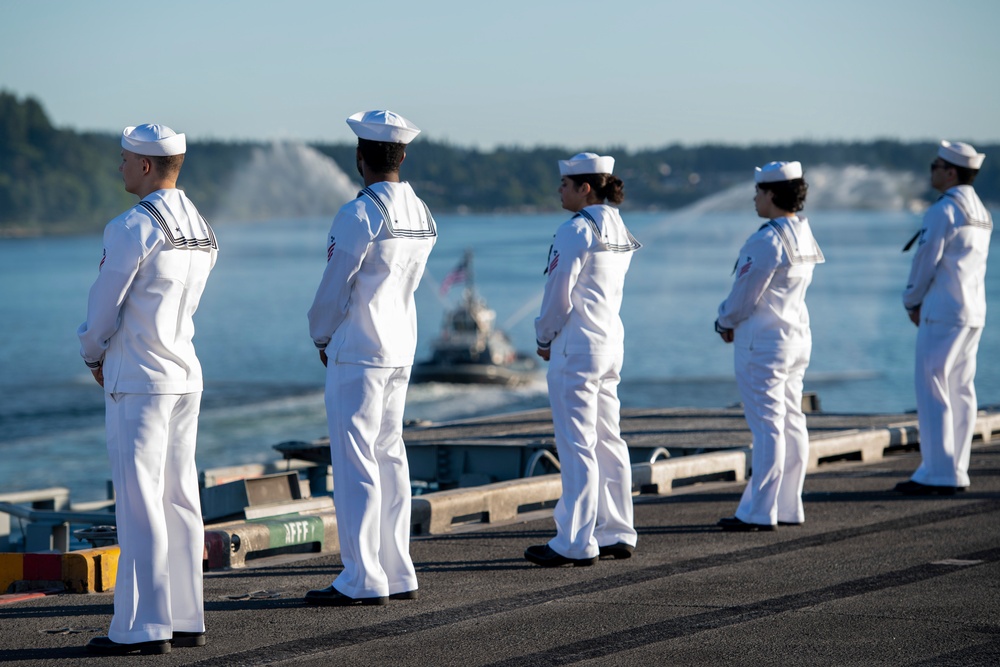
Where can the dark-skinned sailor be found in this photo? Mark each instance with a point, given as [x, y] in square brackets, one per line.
[363, 321]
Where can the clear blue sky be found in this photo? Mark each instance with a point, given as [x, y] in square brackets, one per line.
[576, 74]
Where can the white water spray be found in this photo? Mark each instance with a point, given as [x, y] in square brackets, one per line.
[854, 187]
[857, 187]
[286, 180]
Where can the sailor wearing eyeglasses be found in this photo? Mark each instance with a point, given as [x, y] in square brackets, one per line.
[946, 298]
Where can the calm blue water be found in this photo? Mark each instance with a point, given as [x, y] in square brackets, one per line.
[264, 381]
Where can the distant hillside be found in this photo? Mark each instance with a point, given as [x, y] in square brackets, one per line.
[58, 181]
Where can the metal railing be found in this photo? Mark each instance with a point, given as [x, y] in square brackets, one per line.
[48, 516]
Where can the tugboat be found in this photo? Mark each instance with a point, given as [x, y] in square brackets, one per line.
[469, 350]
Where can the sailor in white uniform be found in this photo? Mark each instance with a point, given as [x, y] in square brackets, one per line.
[363, 321]
[765, 316]
[946, 298]
[137, 341]
[580, 333]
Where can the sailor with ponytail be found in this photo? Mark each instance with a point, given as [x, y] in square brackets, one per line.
[580, 333]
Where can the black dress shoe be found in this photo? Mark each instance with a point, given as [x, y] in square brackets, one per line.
[187, 639]
[405, 595]
[911, 488]
[789, 523]
[618, 551]
[104, 646]
[734, 524]
[331, 597]
[546, 556]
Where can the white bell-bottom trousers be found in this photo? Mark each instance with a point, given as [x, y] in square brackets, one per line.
[595, 508]
[151, 445]
[770, 384]
[946, 402]
[371, 478]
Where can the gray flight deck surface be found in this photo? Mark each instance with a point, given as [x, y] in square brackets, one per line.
[872, 578]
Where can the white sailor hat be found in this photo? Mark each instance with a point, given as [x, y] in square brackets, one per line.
[772, 172]
[383, 125]
[154, 140]
[587, 163]
[961, 155]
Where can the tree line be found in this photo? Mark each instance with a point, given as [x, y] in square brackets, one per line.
[59, 180]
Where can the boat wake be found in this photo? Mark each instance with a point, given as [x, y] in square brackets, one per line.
[440, 402]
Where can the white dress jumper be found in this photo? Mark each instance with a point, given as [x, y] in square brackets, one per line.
[766, 308]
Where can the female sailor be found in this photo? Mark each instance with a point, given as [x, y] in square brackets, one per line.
[580, 333]
[765, 316]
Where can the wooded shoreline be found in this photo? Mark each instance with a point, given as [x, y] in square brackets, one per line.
[60, 181]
